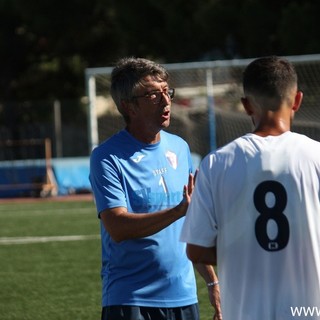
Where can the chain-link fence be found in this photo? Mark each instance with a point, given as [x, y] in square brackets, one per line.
[206, 110]
[63, 122]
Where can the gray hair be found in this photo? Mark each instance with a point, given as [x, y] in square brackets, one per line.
[127, 77]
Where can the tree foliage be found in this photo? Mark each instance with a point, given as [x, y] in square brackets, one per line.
[47, 44]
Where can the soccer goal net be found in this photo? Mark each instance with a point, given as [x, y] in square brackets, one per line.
[206, 110]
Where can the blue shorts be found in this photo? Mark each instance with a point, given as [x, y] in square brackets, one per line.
[150, 313]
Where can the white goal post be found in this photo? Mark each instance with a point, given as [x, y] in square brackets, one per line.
[206, 110]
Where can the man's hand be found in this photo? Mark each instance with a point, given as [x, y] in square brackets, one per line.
[188, 189]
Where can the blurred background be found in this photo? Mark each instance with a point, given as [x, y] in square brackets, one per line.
[47, 48]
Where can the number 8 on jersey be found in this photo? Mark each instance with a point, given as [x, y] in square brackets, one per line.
[275, 213]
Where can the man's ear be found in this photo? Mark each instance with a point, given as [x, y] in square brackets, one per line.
[247, 106]
[297, 101]
[128, 107]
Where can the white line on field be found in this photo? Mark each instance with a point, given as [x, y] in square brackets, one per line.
[26, 240]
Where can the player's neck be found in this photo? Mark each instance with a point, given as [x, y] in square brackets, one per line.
[272, 126]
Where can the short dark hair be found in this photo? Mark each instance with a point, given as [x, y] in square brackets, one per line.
[270, 78]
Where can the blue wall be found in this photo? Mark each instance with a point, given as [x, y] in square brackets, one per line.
[71, 174]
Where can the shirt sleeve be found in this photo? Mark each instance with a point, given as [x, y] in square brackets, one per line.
[105, 182]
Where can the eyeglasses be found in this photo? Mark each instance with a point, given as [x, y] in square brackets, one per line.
[156, 96]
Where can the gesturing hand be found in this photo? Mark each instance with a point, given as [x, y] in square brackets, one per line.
[188, 189]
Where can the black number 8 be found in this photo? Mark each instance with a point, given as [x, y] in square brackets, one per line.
[275, 213]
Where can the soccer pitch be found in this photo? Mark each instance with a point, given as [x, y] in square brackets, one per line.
[50, 262]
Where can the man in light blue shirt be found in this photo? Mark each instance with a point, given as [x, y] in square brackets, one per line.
[142, 182]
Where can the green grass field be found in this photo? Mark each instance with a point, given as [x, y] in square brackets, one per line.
[45, 273]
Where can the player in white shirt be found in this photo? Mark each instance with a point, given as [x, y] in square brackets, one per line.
[255, 210]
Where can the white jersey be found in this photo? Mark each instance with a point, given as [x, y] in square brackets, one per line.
[258, 201]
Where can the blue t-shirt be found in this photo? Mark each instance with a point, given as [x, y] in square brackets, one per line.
[153, 271]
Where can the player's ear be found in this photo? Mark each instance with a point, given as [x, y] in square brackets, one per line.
[247, 106]
[297, 101]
